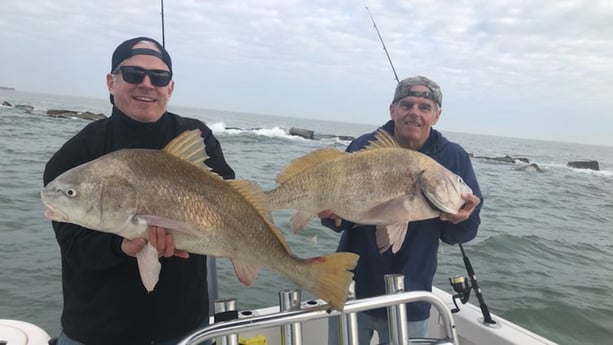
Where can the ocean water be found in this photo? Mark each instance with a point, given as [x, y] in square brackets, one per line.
[543, 255]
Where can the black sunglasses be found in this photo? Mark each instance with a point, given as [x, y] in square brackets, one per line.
[136, 75]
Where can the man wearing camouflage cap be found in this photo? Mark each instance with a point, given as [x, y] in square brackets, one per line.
[415, 108]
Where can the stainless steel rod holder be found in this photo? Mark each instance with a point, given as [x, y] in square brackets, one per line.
[289, 300]
[226, 309]
[396, 314]
[348, 323]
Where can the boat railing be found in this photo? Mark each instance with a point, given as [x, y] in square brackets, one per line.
[293, 314]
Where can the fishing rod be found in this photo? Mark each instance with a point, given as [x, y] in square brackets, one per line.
[163, 37]
[383, 43]
[458, 283]
[462, 289]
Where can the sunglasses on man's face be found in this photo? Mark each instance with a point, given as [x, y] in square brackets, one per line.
[136, 75]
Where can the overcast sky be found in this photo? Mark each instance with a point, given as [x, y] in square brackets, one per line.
[532, 69]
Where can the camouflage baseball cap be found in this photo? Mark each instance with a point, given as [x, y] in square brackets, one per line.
[403, 89]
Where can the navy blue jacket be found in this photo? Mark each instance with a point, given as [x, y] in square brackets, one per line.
[417, 258]
[104, 299]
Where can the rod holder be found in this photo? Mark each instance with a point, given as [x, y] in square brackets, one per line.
[348, 323]
[225, 310]
[289, 300]
[396, 314]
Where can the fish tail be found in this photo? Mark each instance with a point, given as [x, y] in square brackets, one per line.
[331, 275]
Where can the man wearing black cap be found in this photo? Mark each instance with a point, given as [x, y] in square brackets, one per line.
[104, 299]
[415, 108]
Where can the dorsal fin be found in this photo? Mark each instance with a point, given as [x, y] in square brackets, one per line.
[382, 140]
[189, 147]
[255, 196]
[300, 164]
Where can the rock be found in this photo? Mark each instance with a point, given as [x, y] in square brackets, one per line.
[592, 165]
[530, 167]
[305, 133]
[88, 115]
[25, 107]
[68, 114]
[7, 104]
[505, 159]
[345, 138]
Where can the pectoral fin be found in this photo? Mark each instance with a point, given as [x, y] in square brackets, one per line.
[391, 235]
[399, 208]
[148, 266]
[299, 220]
[171, 225]
[245, 271]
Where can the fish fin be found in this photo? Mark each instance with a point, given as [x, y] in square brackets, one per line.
[329, 277]
[252, 192]
[171, 225]
[149, 266]
[307, 161]
[382, 140]
[391, 235]
[189, 146]
[383, 239]
[245, 271]
[391, 210]
[299, 220]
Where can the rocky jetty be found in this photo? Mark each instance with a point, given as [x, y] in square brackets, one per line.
[505, 159]
[23, 107]
[592, 165]
[59, 113]
[69, 114]
[310, 134]
[523, 162]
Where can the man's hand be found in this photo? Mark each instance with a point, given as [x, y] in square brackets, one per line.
[330, 214]
[464, 212]
[162, 241]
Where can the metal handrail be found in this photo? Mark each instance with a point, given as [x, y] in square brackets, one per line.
[324, 311]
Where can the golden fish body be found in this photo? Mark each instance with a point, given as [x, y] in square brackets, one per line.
[128, 190]
[382, 184]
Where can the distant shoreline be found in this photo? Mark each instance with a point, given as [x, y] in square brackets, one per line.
[7, 88]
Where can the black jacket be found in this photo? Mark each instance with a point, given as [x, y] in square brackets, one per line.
[104, 299]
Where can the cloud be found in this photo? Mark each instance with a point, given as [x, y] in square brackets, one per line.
[501, 64]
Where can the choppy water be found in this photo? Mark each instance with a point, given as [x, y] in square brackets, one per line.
[543, 255]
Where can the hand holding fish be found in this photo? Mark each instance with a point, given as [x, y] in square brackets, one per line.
[464, 212]
[330, 214]
[162, 241]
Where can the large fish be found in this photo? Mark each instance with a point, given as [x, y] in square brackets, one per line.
[383, 184]
[125, 191]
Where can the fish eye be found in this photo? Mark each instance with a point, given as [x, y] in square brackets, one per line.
[460, 180]
[71, 192]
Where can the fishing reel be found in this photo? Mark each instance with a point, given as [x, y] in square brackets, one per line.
[462, 288]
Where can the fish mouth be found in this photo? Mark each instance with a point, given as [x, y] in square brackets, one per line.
[52, 213]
